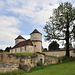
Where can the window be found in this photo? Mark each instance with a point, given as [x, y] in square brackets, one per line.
[15, 50]
[21, 49]
[34, 45]
[10, 50]
[25, 48]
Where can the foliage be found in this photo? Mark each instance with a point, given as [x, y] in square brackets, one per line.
[1, 50]
[24, 54]
[15, 72]
[45, 49]
[7, 49]
[53, 46]
[40, 63]
[70, 46]
[36, 68]
[61, 25]
[67, 59]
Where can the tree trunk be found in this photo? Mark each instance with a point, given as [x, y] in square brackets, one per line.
[67, 38]
[67, 44]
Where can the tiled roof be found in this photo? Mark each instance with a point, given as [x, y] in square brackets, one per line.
[35, 31]
[23, 43]
[19, 37]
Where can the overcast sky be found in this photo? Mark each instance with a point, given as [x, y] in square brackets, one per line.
[21, 17]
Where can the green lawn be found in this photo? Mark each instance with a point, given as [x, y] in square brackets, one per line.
[58, 69]
[24, 54]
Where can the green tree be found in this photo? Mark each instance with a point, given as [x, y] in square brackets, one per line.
[45, 49]
[1, 50]
[53, 46]
[61, 24]
[7, 49]
[70, 46]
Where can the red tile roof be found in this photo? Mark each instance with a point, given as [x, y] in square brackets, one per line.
[24, 43]
[19, 37]
[35, 31]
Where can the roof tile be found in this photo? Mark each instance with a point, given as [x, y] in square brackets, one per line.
[23, 43]
[19, 37]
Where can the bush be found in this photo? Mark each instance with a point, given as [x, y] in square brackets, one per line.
[15, 72]
[66, 59]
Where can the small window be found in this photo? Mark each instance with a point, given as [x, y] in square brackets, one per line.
[20, 49]
[10, 50]
[34, 45]
[25, 47]
[15, 50]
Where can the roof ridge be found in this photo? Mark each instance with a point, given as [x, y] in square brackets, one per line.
[20, 37]
[35, 31]
[23, 43]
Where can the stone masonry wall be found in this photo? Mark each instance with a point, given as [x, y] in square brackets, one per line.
[9, 67]
[59, 53]
[12, 62]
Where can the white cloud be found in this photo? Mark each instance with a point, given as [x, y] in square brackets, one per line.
[26, 36]
[45, 43]
[35, 11]
[2, 46]
[8, 30]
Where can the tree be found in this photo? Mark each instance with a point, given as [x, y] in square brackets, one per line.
[61, 24]
[45, 49]
[53, 46]
[7, 49]
[1, 50]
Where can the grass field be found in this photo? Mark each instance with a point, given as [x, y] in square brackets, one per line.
[57, 69]
[24, 54]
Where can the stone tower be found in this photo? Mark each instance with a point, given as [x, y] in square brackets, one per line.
[36, 38]
[19, 39]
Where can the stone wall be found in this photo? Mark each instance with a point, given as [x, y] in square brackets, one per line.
[37, 41]
[5, 58]
[27, 49]
[9, 67]
[36, 36]
[19, 40]
[11, 61]
[50, 60]
[59, 53]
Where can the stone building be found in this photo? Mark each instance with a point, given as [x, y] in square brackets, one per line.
[32, 45]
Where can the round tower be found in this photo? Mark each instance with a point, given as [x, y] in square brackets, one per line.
[19, 39]
[36, 38]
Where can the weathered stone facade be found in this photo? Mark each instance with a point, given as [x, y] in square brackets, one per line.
[9, 67]
[34, 44]
[13, 62]
[26, 49]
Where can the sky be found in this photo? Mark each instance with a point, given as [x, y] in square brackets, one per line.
[21, 17]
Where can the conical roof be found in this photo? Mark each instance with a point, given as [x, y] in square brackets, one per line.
[19, 37]
[35, 31]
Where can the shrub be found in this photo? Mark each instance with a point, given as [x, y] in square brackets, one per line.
[66, 59]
